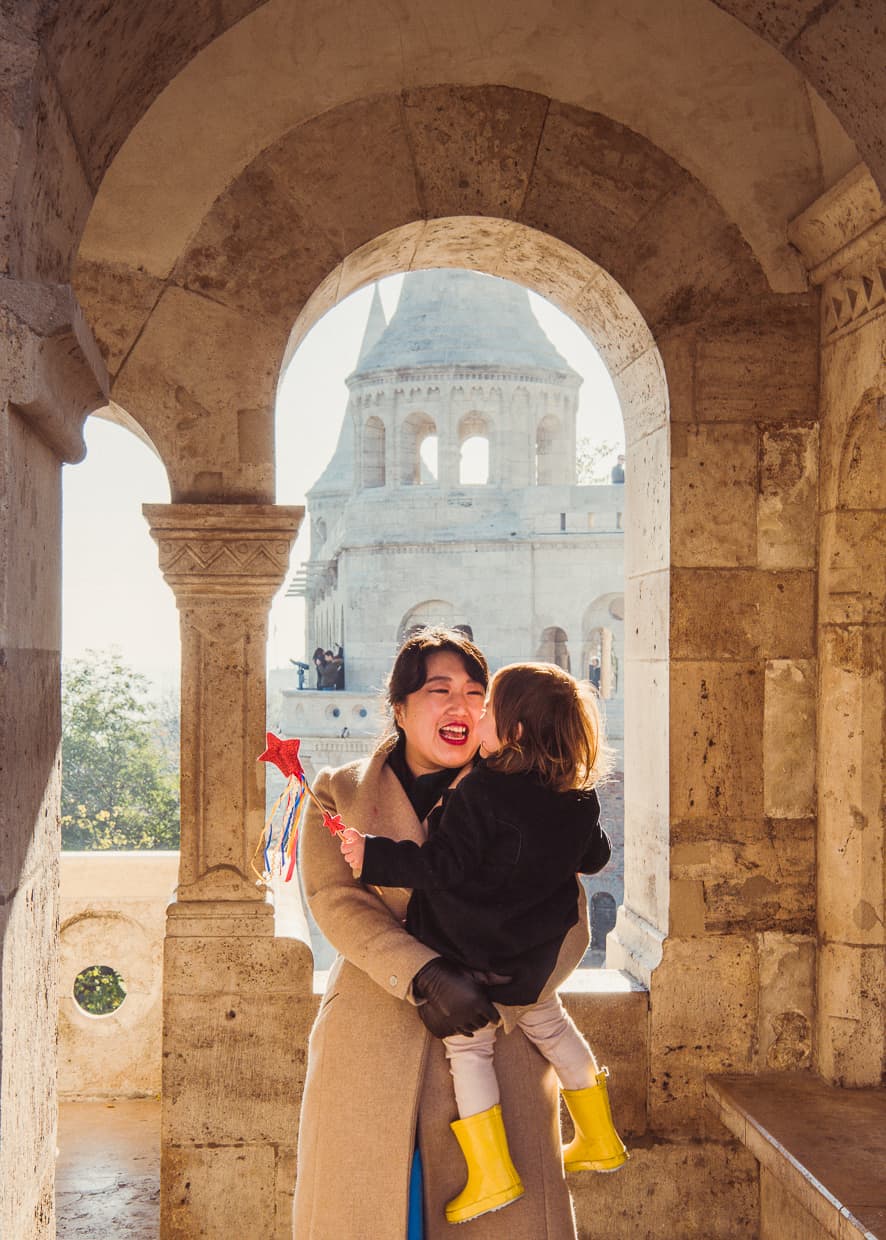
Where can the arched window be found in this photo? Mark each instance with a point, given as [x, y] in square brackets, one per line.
[473, 456]
[433, 611]
[374, 453]
[418, 450]
[553, 647]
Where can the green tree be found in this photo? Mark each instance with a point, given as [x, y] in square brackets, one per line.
[119, 782]
[591, 458]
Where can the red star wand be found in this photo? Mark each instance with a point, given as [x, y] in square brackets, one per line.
[279, 841]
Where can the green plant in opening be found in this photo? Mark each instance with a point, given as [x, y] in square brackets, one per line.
[99, 990]
[119, 772]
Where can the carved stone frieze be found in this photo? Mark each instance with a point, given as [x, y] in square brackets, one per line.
[849, 302]
[225, 549]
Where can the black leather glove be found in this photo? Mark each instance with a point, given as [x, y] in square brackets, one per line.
[455, 1002]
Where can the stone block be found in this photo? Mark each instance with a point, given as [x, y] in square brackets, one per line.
[612, 321]
[789, 737]
[755, 873]
[393, 251]
[782, 1217]
[763, 372]
[646, 798]
[289, 252]
[643, 394]
[647, 505]
[195, 366]
[716, 740]
[742, 614]
[51, 186]
[689, 234]
[787, 993]
[714, 495]
[851, 1014]
[233, 1067]
[597, 178]
[647, 612]
[786, 509]
[616, 1027]
[703, 1019]
[319, 164]
[677, 348]
[473, 147]
[850, 779]
[246, 966]
[688, 1190]
[117, 302]
[222, 1190]
[853, 568]
[285, 1172]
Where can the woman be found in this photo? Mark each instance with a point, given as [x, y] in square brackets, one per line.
[376, 1077]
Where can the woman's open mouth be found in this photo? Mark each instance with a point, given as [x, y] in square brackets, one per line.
[454, 733]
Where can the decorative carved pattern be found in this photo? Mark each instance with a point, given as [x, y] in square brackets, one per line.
[850, 301]
[215, 556]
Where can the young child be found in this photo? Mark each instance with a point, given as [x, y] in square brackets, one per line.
[495, 890]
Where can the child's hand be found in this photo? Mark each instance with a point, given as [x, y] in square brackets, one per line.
[353, 846]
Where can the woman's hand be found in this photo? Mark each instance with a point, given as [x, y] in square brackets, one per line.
[456, 1003]
[353, 846]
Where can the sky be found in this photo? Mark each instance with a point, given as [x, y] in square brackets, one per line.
[113, 593]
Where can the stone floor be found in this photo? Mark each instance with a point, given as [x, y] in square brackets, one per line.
[108, 1174]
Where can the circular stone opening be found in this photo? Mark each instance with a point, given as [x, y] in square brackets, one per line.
[99, 990]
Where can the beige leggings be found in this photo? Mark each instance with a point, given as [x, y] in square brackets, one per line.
[547, 1026]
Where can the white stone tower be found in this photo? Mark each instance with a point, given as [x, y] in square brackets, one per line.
[463, 379]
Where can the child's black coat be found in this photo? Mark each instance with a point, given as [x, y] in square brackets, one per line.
[494, 886]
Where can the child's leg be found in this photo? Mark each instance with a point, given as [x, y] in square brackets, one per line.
[472, 1066]
[549, 1027]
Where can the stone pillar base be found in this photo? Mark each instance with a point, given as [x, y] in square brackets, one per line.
[238, 1007]
[634, 946]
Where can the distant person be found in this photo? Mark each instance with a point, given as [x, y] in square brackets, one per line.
[594, 672]
[329, 671]
[618, 470]
[318, 658]
[340, 660]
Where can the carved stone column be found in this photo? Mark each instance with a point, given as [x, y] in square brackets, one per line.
[842, 237]
[236, 999]
[225, 563]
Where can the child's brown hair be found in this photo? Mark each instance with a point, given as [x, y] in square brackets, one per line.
[548, 723]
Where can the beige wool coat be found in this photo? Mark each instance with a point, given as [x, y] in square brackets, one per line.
[375, 1075]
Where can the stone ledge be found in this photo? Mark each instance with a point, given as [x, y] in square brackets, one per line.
[826, 1146]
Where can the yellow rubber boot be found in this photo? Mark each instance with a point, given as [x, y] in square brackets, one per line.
[596, 1145]
[493, 1181]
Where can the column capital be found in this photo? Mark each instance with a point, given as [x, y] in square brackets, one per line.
[223, 550]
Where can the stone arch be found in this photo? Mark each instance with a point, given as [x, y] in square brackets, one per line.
[665, 295]
[602, 633]
[553, 647]
[433, 611]
[373, 453]
[415, 429]
[476, 428]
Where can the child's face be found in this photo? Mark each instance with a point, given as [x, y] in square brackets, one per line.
[486, 731]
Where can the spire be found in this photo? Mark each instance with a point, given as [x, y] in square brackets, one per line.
[375, 325]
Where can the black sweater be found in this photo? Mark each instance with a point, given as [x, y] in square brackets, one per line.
[494, 887]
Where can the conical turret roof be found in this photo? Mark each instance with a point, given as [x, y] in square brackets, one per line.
[449, 317]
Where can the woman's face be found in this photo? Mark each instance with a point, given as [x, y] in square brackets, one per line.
[440, 719]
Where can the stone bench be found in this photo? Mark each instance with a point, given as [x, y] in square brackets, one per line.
[821, 1150]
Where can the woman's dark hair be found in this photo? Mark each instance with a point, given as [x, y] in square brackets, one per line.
[549, 724]
[410, 670]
